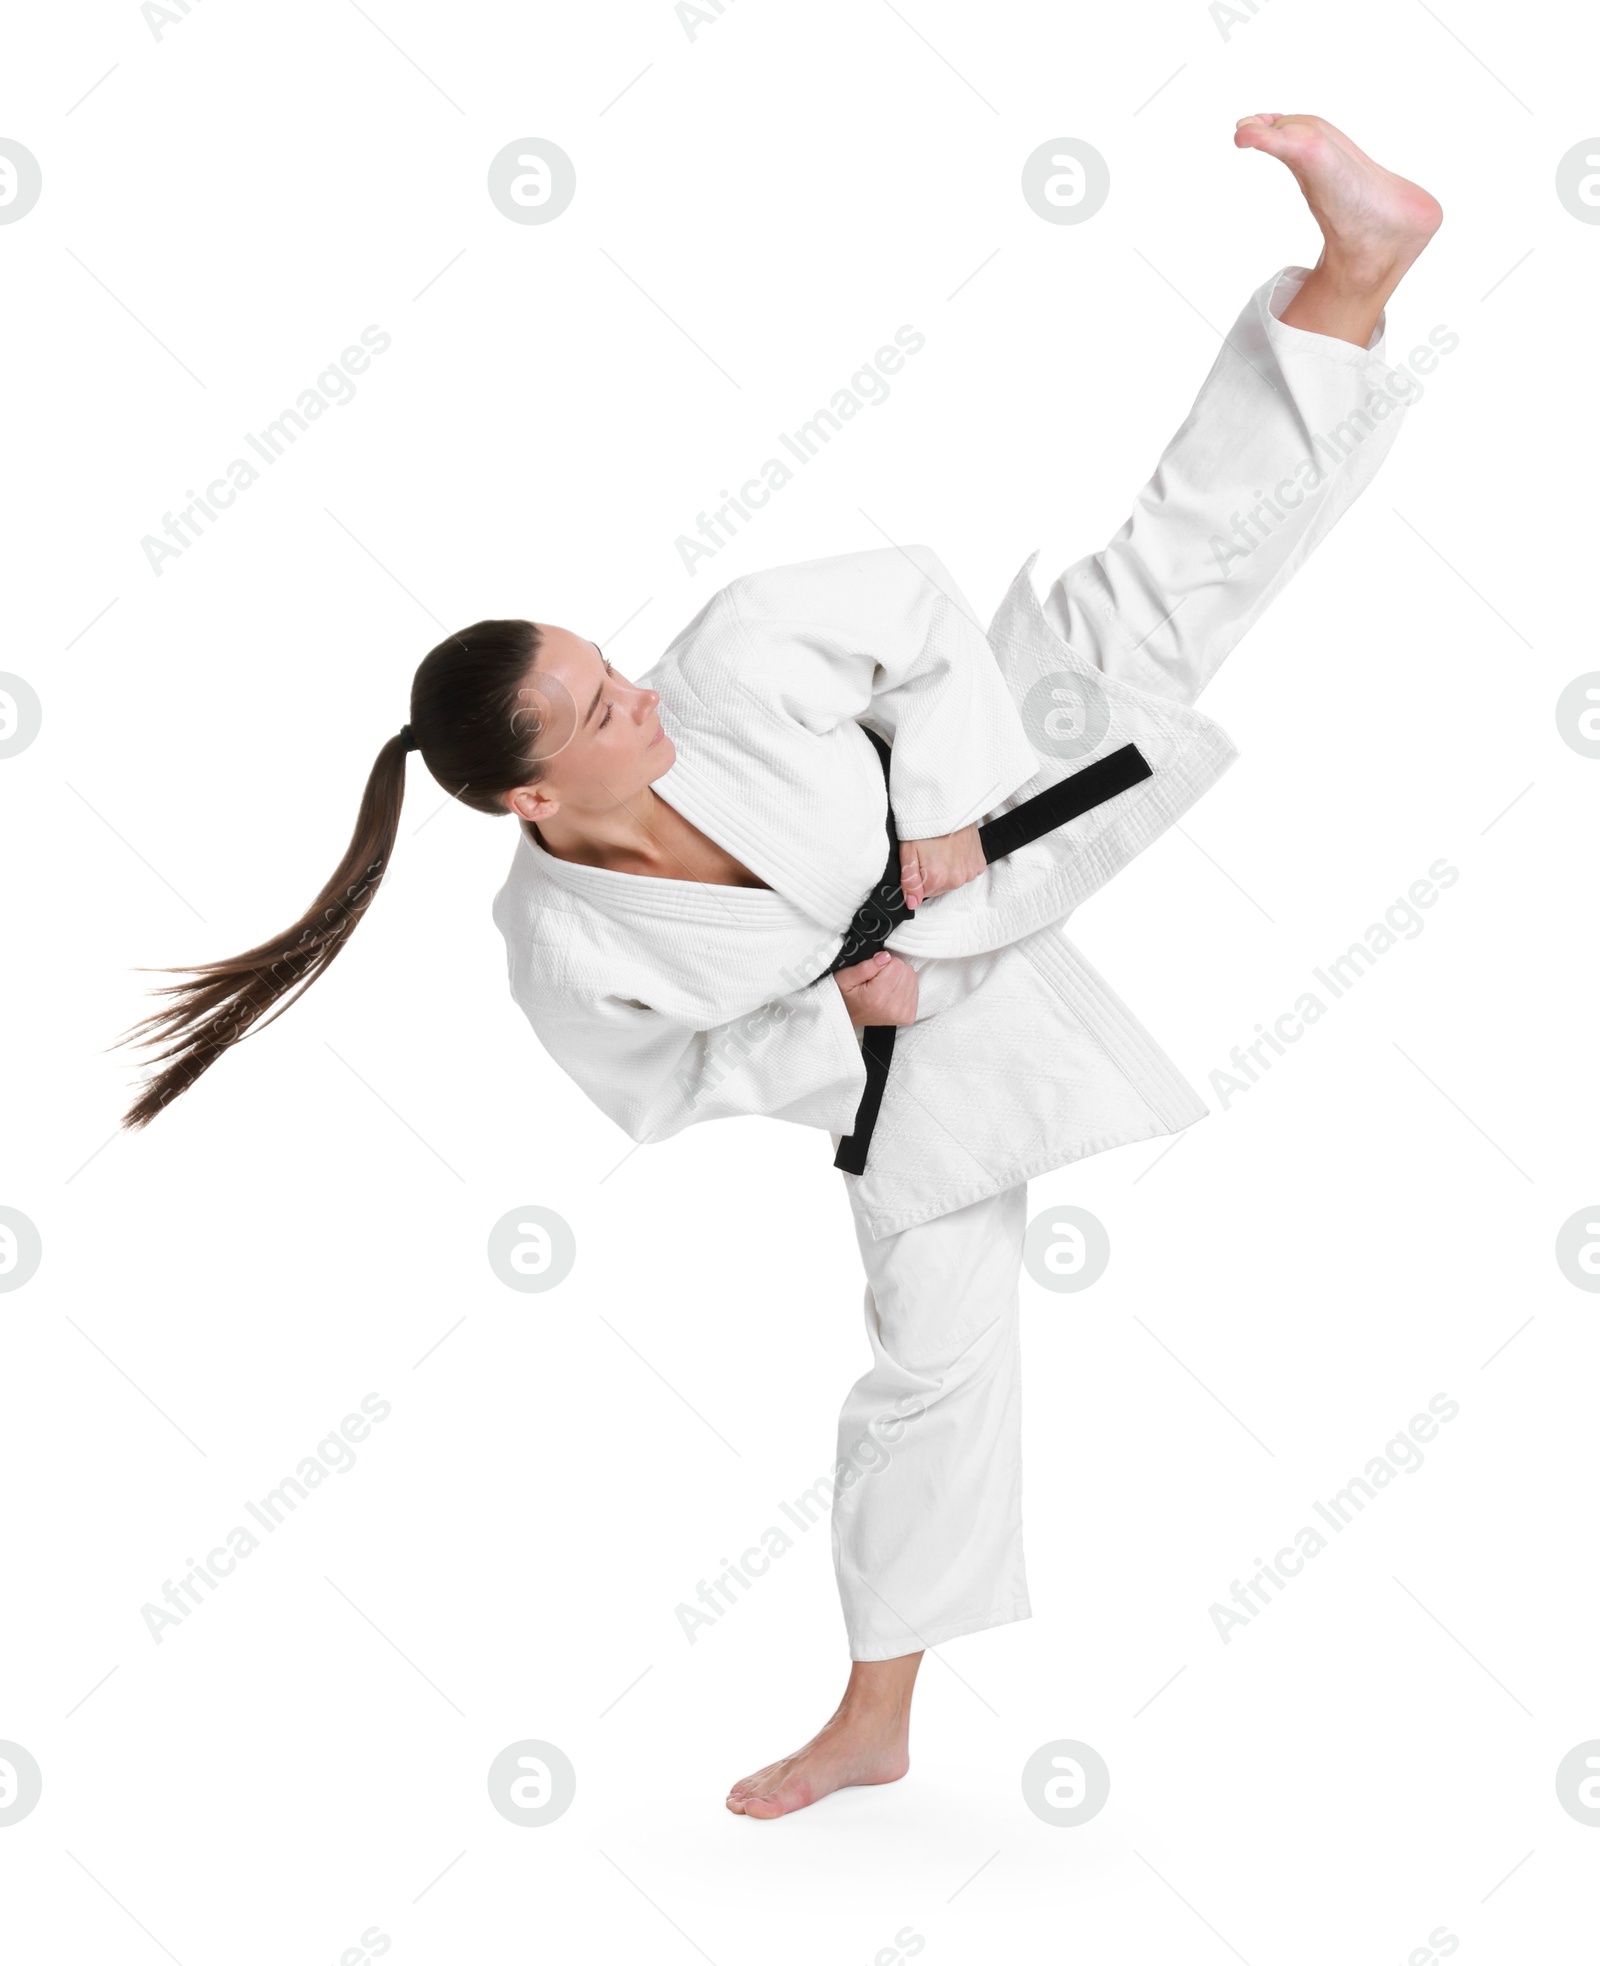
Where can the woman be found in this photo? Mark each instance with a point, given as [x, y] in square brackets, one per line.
[694, 847]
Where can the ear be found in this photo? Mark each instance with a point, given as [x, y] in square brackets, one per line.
[532, 802]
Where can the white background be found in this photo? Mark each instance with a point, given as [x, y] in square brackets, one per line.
[1373, 1758]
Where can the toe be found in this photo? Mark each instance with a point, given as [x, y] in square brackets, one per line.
[779, 1802]
[1263, 132]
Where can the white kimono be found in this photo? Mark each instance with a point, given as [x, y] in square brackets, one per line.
[673, 1001]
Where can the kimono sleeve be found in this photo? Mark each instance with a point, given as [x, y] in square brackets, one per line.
[886, 638]
[797, 1058]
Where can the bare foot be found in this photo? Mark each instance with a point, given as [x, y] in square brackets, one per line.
[1371, 218]
[866, 1742]
[1373, 223]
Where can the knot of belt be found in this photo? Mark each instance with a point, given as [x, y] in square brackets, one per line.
[885, 908]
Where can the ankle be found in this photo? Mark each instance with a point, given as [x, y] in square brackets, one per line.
[1362, 274]
[875, 1710]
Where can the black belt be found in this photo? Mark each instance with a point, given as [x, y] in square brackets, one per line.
[885, 907]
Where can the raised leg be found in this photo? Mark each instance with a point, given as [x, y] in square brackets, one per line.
[1288, 429]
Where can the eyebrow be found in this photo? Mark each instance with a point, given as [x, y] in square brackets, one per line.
[597, 695]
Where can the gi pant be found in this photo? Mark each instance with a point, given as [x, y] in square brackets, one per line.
[927, 1506]
[927, 1511]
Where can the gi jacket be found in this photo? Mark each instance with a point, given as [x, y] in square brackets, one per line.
[673, 1001]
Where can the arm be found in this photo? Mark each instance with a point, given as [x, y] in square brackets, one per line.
[886, 638]
[796, 1058]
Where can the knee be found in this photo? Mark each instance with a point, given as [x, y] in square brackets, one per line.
[945, 1360]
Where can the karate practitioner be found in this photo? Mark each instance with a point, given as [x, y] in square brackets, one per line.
[692, 849]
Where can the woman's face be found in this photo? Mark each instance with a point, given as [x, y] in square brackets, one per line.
[600, 740]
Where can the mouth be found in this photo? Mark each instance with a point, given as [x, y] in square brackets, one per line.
[660, 733]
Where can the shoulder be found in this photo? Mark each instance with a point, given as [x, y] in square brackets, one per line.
[763, 622]
[803, 588]
[783, 594]
[551, 933]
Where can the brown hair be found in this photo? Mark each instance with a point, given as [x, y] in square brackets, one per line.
[476, 737]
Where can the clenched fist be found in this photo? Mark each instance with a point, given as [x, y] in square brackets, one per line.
[882, 990]
[930, 867]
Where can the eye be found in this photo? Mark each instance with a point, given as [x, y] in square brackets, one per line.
[607, 717]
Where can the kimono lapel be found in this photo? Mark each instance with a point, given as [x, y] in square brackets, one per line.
[821, 856]
[691, 949]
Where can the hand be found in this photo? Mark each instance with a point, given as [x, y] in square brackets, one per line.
[882, 990]
[930, 867]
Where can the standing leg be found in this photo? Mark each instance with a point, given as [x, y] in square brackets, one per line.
[927, 1504]
[927, 1510]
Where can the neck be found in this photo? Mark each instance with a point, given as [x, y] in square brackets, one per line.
[625, 837]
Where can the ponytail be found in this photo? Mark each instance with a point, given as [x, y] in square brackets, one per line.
[477, 740]
[225, 1001]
